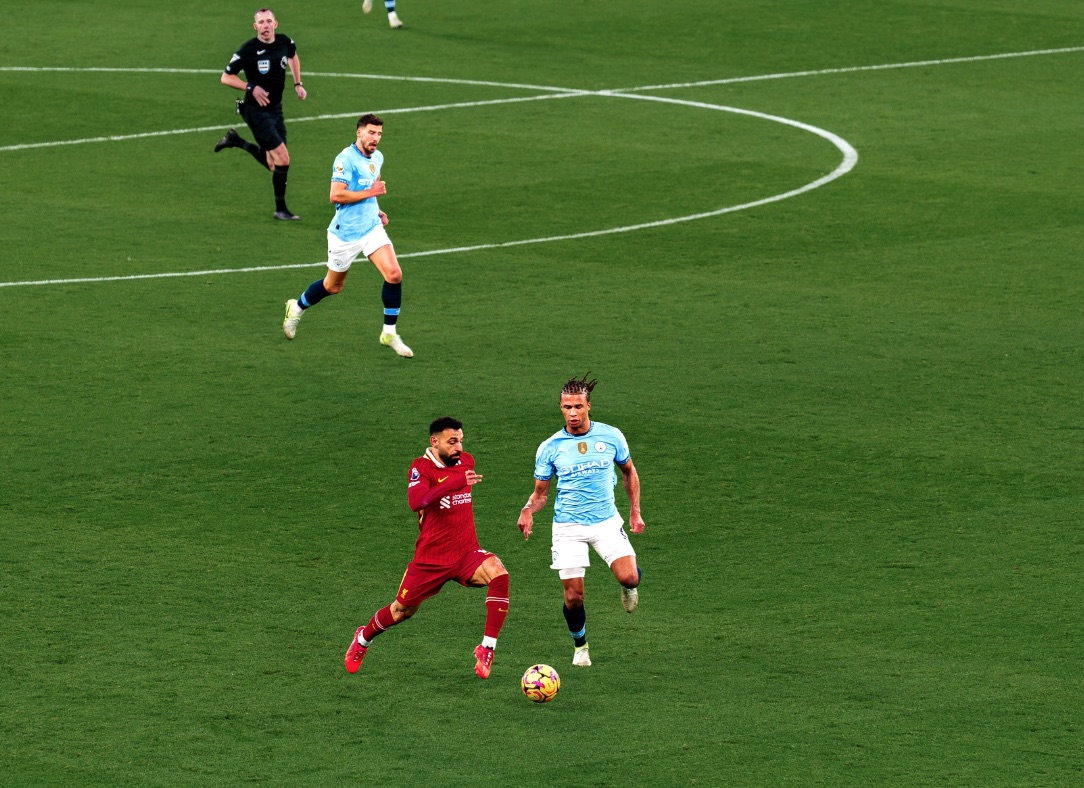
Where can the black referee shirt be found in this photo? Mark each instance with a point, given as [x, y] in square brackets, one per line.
[264, 65]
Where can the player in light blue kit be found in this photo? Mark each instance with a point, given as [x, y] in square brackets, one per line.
[389, 5]
[583, 456]
[357, 229]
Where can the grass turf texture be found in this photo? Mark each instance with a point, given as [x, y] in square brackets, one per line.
[856, 413]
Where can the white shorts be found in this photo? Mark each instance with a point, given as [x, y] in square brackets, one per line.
[340, 253]
[571, 540]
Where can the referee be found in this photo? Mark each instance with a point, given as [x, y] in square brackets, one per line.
[264, 60]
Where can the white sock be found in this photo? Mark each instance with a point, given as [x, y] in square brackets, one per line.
[389, 329]
[489, 642]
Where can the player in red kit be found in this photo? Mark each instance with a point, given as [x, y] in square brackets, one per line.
[439, 490]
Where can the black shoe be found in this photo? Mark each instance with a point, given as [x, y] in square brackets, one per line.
[229, 141]
[286, 216]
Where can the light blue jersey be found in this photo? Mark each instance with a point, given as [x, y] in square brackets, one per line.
[358, 172]
[586, 476]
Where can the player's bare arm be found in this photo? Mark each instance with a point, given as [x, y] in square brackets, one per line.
[233, 81]
[631, 481]
[341, 195]
[536, 503]
[258, 93]
[295, 69]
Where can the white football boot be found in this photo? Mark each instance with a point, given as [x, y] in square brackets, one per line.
[395, 343]
[366, 6]
[293, 317]
[630, 598]
[394, 21]
[580, 657]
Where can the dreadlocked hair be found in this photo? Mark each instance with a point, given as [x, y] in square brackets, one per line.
[580, 386]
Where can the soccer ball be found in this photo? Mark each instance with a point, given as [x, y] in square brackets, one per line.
[540, 683]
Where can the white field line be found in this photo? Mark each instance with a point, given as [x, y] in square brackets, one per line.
[857, 69]
[391, 77]
[336, 116]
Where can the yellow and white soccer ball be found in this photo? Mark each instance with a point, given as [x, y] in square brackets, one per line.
[540, 683]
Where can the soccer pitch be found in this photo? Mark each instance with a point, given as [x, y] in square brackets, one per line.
[824, 259]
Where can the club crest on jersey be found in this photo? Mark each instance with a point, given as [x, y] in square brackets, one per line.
[264, 66]
[600, 447]
[581, 447]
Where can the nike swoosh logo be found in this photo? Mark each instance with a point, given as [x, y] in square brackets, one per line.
[441, 481]
[260, 51]
[502, 610]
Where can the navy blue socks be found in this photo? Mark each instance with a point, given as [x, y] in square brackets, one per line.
[392, 296]
[577, 624]
[315, 293]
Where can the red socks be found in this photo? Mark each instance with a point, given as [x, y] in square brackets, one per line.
[496, 605]
[496, 612]
[379, 622]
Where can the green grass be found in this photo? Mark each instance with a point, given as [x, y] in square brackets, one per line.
[855, 412]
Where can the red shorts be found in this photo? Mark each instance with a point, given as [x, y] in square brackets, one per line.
[421, 581]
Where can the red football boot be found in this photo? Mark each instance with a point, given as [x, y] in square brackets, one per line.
[356, 653]
[484, 655]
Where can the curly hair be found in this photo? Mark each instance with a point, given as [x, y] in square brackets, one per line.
[444, 423]
[579, 386]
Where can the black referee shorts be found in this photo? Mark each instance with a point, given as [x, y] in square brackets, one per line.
[267, 124]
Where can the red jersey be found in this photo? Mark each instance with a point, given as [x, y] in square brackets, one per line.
[442, 498]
